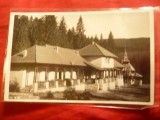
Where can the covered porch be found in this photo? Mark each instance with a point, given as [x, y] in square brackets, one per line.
[54, 78]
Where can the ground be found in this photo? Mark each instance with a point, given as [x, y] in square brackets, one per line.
[125, 93]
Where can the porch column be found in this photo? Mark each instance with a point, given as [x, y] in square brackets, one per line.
[104, 74]
[35, 83]
[56, 69]
[64, 71]
[64, 83]
[71, 75]
[25, 81]
[109, 79]
[96, 82]
[71, 82]
[56, 84]
[78, 79]
[46, 77]
[77, 73]
[140, 82]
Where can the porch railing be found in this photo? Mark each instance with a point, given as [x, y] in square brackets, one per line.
[41, 85]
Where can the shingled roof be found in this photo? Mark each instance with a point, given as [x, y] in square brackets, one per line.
[117, 64]
[95, 50]
[49, 55]
[60, 56]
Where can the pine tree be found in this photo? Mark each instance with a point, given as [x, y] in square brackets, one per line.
[96, 39]
[51, 30]
[80, 27]
[111, 44]
[21, 37]
[39, 31]
[62, 33]
[79, 42]
[70, 37]
[31, 31]
[101, 37]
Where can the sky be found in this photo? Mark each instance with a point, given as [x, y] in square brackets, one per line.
[122, 24]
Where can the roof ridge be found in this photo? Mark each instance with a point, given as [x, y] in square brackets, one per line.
[98, 48]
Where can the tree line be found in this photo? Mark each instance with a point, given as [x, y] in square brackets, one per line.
[29, 31]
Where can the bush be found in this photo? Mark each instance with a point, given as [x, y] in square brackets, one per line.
[14, 86]
[85, 96]
[27, 89]
[49, 95]
[71, 94]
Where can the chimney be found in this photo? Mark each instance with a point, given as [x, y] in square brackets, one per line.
[56, 48]
[92, 42]
[23, 53]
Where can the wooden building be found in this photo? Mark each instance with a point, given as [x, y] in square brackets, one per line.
[131, 77]
[44, 68]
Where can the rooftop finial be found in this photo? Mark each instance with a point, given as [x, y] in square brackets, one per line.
[125, 59]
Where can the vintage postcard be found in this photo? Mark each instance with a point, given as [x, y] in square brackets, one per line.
[104, 57]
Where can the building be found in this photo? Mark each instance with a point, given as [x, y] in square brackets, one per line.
[131, 77]
[53, 68]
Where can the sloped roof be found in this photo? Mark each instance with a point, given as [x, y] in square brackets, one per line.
[138, 75]
[49, 55]
[117, 64]
[93, 66]
[95, 50]
[29, 58]
[55, 55]
[131, 67]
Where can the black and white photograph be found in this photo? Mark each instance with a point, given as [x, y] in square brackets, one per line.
[81, 57]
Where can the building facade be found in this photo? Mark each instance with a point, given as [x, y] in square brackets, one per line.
[131, 77]
[53, 68]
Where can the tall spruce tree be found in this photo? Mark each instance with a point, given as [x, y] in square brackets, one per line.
[51, 30]
[79, 42]
[62, 31]
[111, 45]
[80, 27]
[20, 37]
[37, 31]
[96, 39]
[101, 37]
[70, 37]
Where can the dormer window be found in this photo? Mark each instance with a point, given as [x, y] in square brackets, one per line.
[56, 48]
[23, 53]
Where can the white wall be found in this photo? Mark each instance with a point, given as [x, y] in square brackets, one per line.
[30, 77]
[103, 62]
[107, 62]
[18, 75]
[22, 76]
